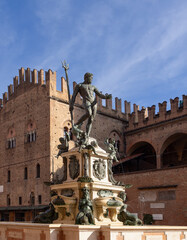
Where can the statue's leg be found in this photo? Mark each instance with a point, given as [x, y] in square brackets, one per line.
[85, 116]
[93, 111]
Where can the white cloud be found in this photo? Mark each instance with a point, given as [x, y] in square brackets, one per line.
[52, 15]
[131, 47]
[159, 40]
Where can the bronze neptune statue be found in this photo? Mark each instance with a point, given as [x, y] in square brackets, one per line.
[87, 92]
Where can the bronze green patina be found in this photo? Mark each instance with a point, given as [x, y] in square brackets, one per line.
[125, 216]
[58, 201]
[85, 215]
[64, 144]
[105, 193]
[87, 91]
[114, 202]
[48, 216]
[101, 166]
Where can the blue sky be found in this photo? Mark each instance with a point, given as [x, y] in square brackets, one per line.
[135, 49]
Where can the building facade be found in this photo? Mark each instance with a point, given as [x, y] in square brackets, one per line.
[155, 162]
[34, 115]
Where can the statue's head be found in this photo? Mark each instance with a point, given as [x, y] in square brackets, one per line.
[88, 77]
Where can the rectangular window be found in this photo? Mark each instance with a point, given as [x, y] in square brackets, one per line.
[20, 200]
[8, 200]
[39, 199]
[31, 137]
[38, 170]
[8, 176]
[25, 173]
[166, 195]
[28, 137]
[11, 143]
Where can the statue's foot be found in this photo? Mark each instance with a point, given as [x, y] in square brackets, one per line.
[78, 125]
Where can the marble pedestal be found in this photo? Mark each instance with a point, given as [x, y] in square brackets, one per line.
[86, 168]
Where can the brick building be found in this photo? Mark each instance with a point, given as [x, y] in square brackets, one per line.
[33, 115]
[155, 162]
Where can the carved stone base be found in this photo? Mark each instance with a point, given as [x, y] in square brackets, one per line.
[104, 197]
[88, 169]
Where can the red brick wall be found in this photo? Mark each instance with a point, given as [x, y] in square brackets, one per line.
[175, 211]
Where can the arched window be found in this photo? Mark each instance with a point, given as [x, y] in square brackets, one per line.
[39, 199]
[38, 170]
[11, 140]
[20, 200]
[31, 132]
[25, 173]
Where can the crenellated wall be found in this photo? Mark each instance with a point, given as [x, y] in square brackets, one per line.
[122, 121]
[26, 80]
[148, 116]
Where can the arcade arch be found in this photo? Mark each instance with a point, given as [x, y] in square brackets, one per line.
[174, 150]
[141, 156]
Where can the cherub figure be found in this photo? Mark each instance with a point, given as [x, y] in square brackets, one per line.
[111, 149]
[64, 144]
[85, 215]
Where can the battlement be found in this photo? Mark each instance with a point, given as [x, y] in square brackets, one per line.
[148, 116]
[29, 79]
[26, 80]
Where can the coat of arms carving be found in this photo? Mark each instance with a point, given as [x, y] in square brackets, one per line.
[99, 169]
[74, 167]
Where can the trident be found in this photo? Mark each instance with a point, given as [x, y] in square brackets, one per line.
[66, 67]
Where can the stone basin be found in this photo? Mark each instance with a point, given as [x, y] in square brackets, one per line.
[102, 201]
[70, 200]
[67, 200]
